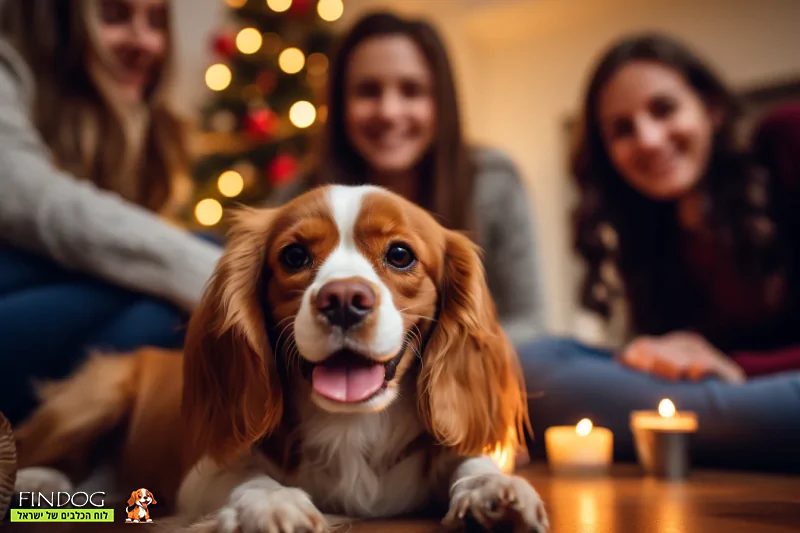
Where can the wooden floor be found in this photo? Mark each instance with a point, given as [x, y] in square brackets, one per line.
[709, 502]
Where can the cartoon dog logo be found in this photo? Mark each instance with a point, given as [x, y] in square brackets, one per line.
[138, 504]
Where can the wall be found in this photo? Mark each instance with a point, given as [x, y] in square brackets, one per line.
[521, 66]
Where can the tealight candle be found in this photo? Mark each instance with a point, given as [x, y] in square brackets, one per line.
[662, 439]
[580, 449]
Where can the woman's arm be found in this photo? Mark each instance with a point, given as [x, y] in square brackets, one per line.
[510, 246]
[81, 227]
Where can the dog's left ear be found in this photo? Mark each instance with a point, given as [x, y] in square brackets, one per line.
[153, 497]
[473, 395]
[232, 393]
[132, 499]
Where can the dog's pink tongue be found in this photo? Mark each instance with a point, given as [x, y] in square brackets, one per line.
[345, 382]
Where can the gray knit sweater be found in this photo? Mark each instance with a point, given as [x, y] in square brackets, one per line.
[506, 234]
[78, 225]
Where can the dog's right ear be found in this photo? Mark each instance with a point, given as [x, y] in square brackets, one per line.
[232, 391]
[132, 499]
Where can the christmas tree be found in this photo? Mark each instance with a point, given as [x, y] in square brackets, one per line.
[269, 70]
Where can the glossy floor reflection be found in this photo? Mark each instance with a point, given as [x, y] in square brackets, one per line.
[627, 502]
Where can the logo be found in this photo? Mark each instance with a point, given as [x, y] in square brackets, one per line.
[138, 506]
[61, 507]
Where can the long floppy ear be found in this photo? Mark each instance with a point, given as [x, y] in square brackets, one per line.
[232, 392]
[132, 499]
[472, 392]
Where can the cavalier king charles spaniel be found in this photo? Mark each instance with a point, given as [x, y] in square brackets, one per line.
[346, 360]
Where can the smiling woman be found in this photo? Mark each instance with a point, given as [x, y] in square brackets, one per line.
[394, 121]
[91, 156]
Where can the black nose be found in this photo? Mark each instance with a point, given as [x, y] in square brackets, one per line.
[345, 303]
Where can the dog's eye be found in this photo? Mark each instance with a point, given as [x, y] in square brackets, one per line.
[400, 256]
[295, 257]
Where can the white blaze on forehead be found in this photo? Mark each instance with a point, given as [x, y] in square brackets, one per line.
[346, 261]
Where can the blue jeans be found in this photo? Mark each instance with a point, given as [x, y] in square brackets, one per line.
[755, 425]
[51, 318]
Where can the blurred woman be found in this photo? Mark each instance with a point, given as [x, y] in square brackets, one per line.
[704, 235]
[91, 158]
[393, 121]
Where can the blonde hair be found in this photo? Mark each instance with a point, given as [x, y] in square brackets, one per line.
[140, 152]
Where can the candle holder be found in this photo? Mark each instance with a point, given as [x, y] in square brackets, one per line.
[580, 450]
[662, 441]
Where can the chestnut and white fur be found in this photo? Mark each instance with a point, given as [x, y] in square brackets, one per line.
[347, 360]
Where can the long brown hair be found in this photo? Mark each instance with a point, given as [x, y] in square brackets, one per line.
[616, 226]
[84, 130]
[446, 173]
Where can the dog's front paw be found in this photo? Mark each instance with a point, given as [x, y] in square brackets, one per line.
[497, 500]
[261, 510]
[33, 481]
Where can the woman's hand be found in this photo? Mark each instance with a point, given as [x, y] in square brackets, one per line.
[680, 356]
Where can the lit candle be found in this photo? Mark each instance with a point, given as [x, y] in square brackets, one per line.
[662, 439]
[579, 449]
[667, 418]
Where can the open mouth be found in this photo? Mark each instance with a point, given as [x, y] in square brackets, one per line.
[351, 377]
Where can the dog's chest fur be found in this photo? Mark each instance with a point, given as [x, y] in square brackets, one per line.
[369, 465]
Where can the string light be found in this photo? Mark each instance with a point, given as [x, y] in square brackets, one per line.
[292, 60]
[302, 114]
[279, 6]
[249, 40]
[330, 10]
[230, 183]
[208, 212]
[236, 4]
[218, 77]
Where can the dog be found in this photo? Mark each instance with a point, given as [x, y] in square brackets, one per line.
[138, 506]
[346, 360]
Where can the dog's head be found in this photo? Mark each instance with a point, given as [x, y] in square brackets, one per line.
[142, 497]
[340, 295]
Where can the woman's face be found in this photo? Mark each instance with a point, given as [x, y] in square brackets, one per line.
[389, 103]
[657, 130]
[133, 35]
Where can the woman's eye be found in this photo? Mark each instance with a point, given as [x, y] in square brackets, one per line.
[295, 257]
[621, 128]
[663, 107]
[399, 256]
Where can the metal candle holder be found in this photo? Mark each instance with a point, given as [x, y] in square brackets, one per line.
[662, 443]
[663, 454]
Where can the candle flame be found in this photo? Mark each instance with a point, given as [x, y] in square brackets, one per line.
[666, 408]
[503, 453]
[584, 427]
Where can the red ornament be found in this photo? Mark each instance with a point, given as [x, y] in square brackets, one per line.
[261, 123]
[282, 169]
[300, 7]
[224, 45]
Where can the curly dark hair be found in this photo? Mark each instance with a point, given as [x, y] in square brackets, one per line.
[639, 238]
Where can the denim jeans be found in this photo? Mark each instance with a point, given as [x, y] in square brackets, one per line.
[52, 318]
[755, 425]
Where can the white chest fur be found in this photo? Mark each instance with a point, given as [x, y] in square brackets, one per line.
[358, 464]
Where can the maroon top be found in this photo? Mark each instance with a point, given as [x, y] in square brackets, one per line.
[765, 328]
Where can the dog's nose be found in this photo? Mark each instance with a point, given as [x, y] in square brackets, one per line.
[345, 303]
